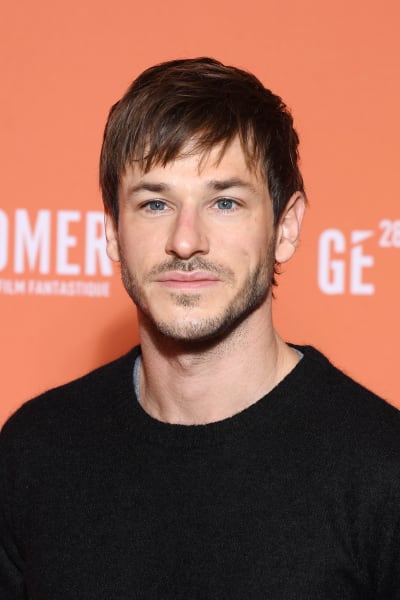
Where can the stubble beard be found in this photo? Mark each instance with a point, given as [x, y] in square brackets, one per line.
[248, 298]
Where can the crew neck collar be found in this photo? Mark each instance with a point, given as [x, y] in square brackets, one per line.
[240, 424]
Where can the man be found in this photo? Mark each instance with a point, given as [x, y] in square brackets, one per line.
[215, 461]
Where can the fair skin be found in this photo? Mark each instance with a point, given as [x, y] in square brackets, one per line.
[196, 242]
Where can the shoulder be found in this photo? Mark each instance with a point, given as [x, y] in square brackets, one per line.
[336, 385]
[74, 403]
[359, 421]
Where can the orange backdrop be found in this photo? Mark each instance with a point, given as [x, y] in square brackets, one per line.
[63, 310]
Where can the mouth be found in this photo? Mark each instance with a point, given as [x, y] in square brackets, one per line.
[187, 281]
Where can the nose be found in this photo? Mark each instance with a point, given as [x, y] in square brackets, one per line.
[187, 236]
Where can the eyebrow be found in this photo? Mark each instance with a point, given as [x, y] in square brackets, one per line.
[218, 185]
[149, 187]
[224, 184]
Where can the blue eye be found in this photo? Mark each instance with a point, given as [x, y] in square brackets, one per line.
[226, 204]
[155, 205]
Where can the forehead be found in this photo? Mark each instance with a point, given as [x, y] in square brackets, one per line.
[194, 162]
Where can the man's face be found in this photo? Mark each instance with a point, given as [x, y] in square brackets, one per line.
[196, 243]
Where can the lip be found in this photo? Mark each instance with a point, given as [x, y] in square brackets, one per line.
[192, 280]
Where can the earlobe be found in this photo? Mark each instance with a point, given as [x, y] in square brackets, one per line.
[288, 231]
[112, 247]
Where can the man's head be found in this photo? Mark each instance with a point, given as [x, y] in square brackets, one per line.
[200, 100]
[203, 197]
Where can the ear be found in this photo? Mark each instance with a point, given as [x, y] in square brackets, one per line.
[111, 230]
[288, 230]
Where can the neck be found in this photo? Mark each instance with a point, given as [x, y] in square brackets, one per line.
[198, 383]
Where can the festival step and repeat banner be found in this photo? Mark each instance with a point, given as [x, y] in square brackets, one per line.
[63, 309]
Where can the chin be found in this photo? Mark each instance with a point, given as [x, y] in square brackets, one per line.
[197, 332]
[202, 329]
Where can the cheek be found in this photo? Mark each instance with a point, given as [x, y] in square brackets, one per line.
[254, 246]
[139, 236]
[132, 241]
[140, 255]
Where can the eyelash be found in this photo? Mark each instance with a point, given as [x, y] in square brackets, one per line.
[234, 204]
[160, 203]
[159, 206]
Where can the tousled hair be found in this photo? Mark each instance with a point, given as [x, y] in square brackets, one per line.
[200, 100]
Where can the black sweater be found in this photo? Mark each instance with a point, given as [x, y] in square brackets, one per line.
[294, 498]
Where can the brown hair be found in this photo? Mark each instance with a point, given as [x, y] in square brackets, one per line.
[203, 100]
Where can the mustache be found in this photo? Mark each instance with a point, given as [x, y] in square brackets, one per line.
[197, 263]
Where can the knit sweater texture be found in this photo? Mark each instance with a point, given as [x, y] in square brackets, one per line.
[295, 498]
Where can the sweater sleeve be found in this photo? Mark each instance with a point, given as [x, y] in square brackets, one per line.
[11, 576]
